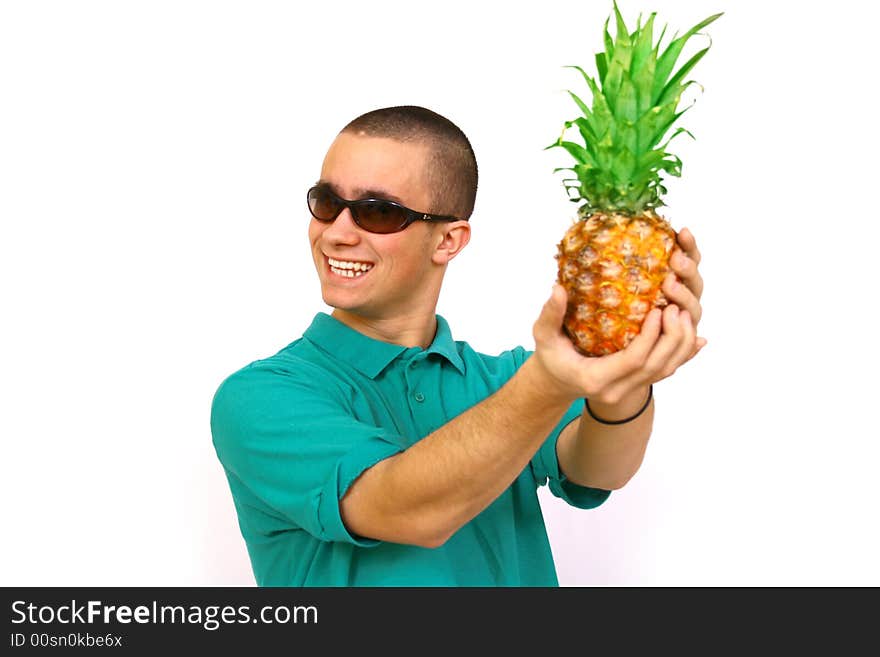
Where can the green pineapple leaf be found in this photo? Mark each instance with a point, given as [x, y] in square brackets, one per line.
[635, 97]
[609, 42]
[675, 81]
[578, 152]
[667, 60]
[642, 38]
[601, 66]
[580, 103]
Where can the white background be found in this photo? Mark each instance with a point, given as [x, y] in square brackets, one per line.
[154, 157]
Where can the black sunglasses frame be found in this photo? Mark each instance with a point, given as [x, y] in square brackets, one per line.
[411, 216]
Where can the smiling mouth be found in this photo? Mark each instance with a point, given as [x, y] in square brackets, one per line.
[348, 268]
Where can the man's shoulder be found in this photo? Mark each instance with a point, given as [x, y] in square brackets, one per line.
[297, 362]
[507, 360]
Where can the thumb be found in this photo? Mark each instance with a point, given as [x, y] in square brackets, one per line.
[550, 320]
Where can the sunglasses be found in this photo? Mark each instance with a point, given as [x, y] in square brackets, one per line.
[374, 215]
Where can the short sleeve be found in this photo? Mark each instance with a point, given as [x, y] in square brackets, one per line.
[545, 466]
[292, 446]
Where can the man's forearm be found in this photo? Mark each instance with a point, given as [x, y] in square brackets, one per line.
[607, 455]
[426, 493]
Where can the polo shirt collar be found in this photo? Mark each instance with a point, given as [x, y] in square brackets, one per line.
[371, 356]
[444, 345]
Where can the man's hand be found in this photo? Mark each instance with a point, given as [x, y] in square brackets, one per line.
[667, 339]
[684, 286]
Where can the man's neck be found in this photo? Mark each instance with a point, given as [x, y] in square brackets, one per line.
[416, 330]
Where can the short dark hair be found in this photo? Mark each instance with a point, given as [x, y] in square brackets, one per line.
[452, 166]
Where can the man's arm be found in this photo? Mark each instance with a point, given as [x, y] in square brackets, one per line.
[605, 456]
[425, 494]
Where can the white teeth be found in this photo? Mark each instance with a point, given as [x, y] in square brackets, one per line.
[347, 273]
[348, 264]
[348, 268]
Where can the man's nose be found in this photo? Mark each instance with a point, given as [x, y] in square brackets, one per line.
[343, 228]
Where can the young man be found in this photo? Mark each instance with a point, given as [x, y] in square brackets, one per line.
[375, 450]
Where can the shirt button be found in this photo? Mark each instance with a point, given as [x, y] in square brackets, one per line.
[419, 397]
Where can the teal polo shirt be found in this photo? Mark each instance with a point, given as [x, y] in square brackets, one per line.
[294, 430]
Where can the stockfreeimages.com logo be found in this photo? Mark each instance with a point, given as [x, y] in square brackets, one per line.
[210, 617]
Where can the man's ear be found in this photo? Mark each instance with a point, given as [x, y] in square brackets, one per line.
[451, 241]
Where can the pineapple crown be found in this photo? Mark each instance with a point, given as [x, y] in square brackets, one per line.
[634, 106]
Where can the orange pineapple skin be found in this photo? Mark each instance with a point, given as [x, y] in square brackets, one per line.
[613, 265]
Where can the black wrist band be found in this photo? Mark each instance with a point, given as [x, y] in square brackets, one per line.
[629, 419]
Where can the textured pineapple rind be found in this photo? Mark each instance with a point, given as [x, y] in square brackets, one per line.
[612, 265]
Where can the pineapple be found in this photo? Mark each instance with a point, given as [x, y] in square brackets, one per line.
[613, 260]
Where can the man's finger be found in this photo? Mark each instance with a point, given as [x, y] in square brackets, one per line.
[667, 344]
[549, 322]
[638, 350]
[685, 268]
[698, 345]
[682, 296]
[621, 364]
[685, 346]
[689, 244]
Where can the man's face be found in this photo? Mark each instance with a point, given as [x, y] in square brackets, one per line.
[400, 277]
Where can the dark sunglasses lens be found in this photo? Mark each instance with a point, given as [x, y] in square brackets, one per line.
[380, 216]
[323, 205]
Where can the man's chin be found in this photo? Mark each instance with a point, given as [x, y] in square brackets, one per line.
[339, 302]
